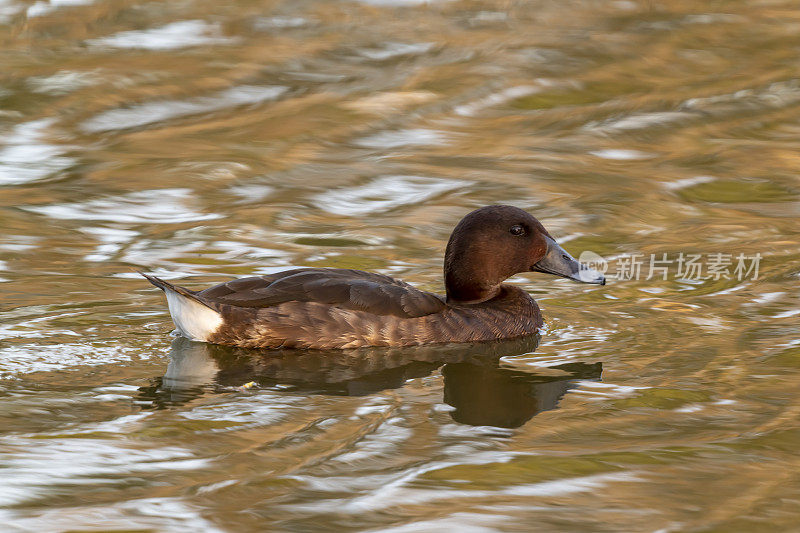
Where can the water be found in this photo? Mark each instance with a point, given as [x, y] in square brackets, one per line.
[203, 141]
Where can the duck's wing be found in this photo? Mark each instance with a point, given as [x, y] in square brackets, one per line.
[348, 289]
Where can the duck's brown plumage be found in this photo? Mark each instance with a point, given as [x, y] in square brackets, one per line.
[340, 308]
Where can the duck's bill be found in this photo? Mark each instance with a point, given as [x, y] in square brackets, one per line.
[559, 263]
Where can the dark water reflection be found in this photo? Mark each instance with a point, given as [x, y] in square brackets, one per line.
[479, 390]
[493, 396]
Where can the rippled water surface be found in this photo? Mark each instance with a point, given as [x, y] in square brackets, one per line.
[203, 140]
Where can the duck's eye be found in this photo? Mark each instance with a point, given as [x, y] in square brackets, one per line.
[517, 230]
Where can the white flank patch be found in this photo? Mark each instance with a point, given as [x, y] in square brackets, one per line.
[193, 319]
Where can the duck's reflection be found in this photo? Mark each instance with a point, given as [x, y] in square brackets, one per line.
[480, 391]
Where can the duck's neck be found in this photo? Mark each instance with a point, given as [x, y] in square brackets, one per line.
[471, 296]
[473, 271]
[469, 282]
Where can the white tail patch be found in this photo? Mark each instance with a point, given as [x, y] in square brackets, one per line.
[193, 319]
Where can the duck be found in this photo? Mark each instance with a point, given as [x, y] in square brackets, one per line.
[335, 308]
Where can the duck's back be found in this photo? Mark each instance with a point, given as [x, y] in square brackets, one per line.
[340, 308]
[355, 290]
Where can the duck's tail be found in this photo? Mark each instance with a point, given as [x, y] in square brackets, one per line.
[193, 317]
[167, 286]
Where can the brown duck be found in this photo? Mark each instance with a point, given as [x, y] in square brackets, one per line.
[328, 308]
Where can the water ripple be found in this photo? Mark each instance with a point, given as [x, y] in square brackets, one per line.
[384, 193]
[151, 514]
[28, 358]
[41, 8]
[159, 111]
[77, 462]
[62, 82]
[273, 23]
[392, 50]
[400, 138]
[156, 206]
[497, 98]
[180, 34]
[25, 156]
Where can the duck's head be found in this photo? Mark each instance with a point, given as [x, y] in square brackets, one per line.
[494, 243]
